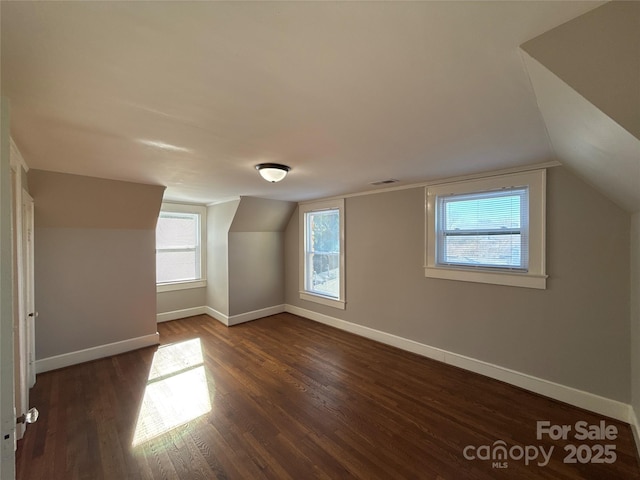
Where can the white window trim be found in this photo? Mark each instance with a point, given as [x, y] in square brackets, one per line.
[536, 276]
[334, 204]
[202, 281]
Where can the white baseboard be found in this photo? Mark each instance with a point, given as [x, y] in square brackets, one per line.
[579, 398]
[232, 320]
[255, 314]
[177, 314]
[94, 353]
[221, 317]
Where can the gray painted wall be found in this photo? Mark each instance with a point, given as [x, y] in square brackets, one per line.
[635, 313]
[576, 332]
[94, 287]
[256, 273]
[246, 254]
[245, 259]
[262, 215]
[181, 299]
[598, 54]
[256, 254]
[94, 261]
[219, 218]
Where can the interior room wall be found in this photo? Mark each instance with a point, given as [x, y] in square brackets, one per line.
[176, 300]
[256, 273]
[575, 333]
[94, 261]
[598, 55]
[635, 314]
[256, 254]
[219, 218]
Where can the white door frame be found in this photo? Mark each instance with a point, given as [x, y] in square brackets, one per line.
[21, 390]
[29, 287]
[23, 286]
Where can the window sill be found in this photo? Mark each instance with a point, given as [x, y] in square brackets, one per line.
[484, 276]
[331, 302]
[169, 287]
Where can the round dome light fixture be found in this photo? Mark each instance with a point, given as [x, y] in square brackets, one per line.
[272, 172]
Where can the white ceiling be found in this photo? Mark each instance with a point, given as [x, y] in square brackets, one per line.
[344, 93]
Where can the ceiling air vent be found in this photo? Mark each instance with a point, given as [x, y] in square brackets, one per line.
[385, 182]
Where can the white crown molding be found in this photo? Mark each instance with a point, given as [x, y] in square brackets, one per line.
[440, 181]
[224, 200]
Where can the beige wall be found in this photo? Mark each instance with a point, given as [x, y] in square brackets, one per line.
[574, 333]
[75, 201]
[635, 313]
[181, 299]
[256, 254]
[219, 218]
[94, 261]
[246, 254]
[256, 273]
[262, 215]
[598, 54]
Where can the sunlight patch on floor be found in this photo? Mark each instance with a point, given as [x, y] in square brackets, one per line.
[176, 392]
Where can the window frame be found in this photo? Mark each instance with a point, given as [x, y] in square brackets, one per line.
[336, 204]
[535, 274]
[201, 211]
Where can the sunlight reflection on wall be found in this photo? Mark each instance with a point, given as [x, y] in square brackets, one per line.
[176, 392]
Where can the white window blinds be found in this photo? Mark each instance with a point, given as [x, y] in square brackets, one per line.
[177, 247]
[484, 229]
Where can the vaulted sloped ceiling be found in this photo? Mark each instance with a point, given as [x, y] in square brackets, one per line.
[192, 95]
[586, 76]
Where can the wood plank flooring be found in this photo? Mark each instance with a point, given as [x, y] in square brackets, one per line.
[287, 398]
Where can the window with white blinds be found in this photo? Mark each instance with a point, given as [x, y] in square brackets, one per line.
[179, 246]
[489, 230]
[484, 229]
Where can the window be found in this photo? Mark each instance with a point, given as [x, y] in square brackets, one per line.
[180, 256]
[488, 230]
[322, 253]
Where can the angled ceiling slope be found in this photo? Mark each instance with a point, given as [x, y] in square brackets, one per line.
[261, 215]
[586, 77]
[192, 95]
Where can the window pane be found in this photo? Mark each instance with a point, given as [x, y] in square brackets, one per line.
[176, 230]
[176, 266]
[486, 229]
[484, 250]
[472, 212]
[325, 278]
[177, 247]
[323, 252]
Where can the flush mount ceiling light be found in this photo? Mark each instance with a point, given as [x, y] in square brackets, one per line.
[272, 172]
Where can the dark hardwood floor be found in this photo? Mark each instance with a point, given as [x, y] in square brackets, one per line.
[287, 398]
